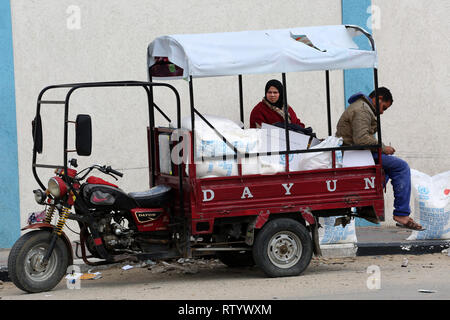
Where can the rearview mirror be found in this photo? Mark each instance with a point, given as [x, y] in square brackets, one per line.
[36, 125]
[83, 135]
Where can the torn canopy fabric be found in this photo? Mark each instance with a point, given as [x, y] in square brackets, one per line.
[256, 52]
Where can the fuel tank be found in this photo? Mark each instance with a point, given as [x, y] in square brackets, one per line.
[101, 195]
[104, 194]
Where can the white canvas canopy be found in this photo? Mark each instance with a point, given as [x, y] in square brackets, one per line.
[253, 52]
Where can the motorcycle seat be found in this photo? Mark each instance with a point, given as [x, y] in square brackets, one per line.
[153, 198]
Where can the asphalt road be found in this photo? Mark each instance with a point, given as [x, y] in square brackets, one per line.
[334, 279]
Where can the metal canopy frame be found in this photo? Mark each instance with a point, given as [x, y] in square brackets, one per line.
[194, 111]
[147, 86]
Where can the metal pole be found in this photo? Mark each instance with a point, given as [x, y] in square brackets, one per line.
[377, 104]
[286, 122]
[241, 99]
[187, 226]
[330, 133]
[327, 79]
[66, 129]
[151, 113]
[38, 110]
[191, 98]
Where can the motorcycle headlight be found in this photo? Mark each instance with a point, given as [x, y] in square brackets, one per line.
[57, 187]
[39, 196]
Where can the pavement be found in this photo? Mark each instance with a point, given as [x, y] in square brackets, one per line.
[372, 241]
[392, 240]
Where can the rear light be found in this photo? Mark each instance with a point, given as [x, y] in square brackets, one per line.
[57, 187]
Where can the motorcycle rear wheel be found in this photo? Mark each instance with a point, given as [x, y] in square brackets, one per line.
[24, 262]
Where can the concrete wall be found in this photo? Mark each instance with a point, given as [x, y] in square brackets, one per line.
[110, 44]
[79, 40]
[9, 179]
[413, 54]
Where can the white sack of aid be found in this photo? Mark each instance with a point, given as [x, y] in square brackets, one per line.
[331, 234]
[267, 139]
[431, 205]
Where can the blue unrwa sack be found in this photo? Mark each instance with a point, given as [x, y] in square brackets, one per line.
[431, 205]
[331, 234]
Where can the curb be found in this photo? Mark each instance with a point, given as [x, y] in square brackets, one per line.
[384, 248]
[339, 250]
[410, 247]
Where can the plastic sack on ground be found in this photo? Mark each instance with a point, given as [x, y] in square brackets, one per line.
[320, 160]
[330, 234]
[431, 205]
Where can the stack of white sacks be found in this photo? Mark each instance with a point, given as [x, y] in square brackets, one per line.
[431, 205]
[267, 139]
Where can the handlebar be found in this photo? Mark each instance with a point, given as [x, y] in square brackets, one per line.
[105, 169]
[111, 170]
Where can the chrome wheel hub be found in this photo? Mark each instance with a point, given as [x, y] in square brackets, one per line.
[284, 249]
[34, 266]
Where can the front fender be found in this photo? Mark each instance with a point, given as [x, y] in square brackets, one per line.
[49, 227]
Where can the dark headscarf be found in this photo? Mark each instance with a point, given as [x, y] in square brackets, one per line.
[277, 84]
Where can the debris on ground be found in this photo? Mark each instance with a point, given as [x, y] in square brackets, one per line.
[183, 265]
[127, 267]
[4, 276]
[426, 291]
[323, 260]
[73, 277]
[405, 262]
[149, 262]
[91, 276]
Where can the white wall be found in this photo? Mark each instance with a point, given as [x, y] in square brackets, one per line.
[111, 44]
[413, 53]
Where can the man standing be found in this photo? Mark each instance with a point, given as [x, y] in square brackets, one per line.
[357, 126]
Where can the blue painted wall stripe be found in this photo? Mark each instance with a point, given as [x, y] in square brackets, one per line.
[357, 12]
[9, 173]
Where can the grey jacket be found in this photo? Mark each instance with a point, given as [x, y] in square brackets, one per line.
[358, 124]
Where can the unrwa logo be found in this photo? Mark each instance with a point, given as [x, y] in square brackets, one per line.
[423, 190]
[283, 158]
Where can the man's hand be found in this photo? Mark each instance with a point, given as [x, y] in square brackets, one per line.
[388, 150]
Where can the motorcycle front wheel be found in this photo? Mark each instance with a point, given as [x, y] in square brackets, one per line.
[25, 266]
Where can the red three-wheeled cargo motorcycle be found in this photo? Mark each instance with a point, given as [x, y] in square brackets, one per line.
[210, 192]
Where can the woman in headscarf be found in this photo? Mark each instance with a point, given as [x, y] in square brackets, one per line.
[270, 109]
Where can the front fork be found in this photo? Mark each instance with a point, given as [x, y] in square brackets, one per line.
[57, 231]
